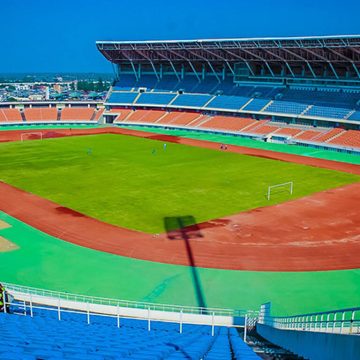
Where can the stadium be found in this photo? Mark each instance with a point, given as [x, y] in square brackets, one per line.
[217, 177]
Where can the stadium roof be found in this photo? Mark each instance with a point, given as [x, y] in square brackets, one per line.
[330, 51]
[298, 38]
[328, 48]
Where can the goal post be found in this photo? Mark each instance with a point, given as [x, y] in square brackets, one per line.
[287, 185]
[31, 135]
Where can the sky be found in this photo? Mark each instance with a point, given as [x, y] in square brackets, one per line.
[59, 36]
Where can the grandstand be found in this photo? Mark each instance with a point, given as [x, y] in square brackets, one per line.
[40, 114]
[74, 339]
[50, 112]
[44, 325]
[9, 115]
[311, 83]
[300, 87]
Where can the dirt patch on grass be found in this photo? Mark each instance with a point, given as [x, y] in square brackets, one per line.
[6, 245]
[4, 225]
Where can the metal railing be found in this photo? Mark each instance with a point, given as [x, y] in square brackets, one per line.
[327, 146]
[343, 321]
[126, 303]
[24, 300]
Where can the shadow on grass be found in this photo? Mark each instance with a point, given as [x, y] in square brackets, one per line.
[184, 228]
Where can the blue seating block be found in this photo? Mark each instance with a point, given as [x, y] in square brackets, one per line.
[122, 97]
[228, 102]
[45, 337]
[286, 107]
[191, 100]
[355, 116]
[256, 105]
[328, 112]
[155, 98]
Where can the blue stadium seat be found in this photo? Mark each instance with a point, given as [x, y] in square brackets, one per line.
[323, 96]
[155, 98]
[328, 112]
[45, 337]
[191, 100]
[126, 82]
[256, 104]
[355, 116]
[228, 102]
[122, 97]
[286, 107]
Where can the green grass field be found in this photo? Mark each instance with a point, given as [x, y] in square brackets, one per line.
[134, 183]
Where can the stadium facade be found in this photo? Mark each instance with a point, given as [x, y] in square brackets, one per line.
[312, 81]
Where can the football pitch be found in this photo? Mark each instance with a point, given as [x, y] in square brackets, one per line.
[136, 183]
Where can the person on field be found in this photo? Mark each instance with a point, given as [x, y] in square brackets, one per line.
[2, 300]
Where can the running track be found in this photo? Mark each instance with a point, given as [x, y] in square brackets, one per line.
[317, 232]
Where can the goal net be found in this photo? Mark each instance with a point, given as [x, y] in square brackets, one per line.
[288, 186]
[31, 136]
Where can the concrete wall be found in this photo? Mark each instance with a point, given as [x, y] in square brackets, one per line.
[313, 345]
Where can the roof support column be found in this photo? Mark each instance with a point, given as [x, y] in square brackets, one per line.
[356, 69]
[213, 70]
[155, 71]
[175, 71]
[193, 69]
[311, 69]
[134, 70]
[333, 70]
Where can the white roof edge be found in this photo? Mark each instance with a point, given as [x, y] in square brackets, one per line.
[230, 39]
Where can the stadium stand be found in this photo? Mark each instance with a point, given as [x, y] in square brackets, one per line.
[256, 105]
[228, 123]
[145, 116]
[10, 115]
[77, 114]
[228, 102]
[43, 336]
[155, 98]
[122, 114]
[254, 126]
[41, 114]
[264, 129]
[325, 137]
[99, 114]
[190, 100]
[321, 92]
[328, 112]
[307, 135]
[307, 103]
[350, 138]
[236, 124]
[286, 107]
[123, 97]
[322, 96]
[289, 131]
[355, 116]
[179, 118]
